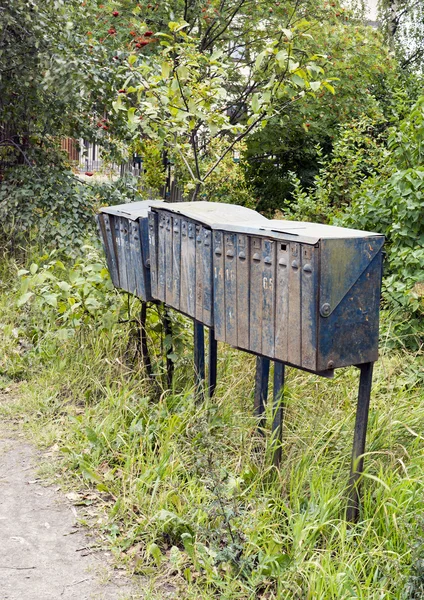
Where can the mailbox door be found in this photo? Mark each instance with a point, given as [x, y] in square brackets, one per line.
[129, 256]
[282, 300]
[309, 305]
[230, 278]
[199, 272]
[176, 260]
[153, 252]
[120, 252]
[243, 291]
[268, 297]
[169, 263]
[161, 273]
[137, 259]
[110, 247]
[218, 285]
[188, 268]
[144, 279]
[255, 308]
[207, 277]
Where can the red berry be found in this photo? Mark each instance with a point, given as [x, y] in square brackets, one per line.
[123, 91]
[115, 13]
[307, 124]
[133, 33]
[88, 174]
[148, 34]
[105, 127]
[111, 31]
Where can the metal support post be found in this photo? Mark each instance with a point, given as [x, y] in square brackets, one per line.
[199, 360]
[261, 390]
[277, 423]
[361, 423]
[145, 356]
[213, 359]
[169, 363]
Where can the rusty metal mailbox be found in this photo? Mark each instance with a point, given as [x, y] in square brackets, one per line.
[125, 236]
[299, 293]
[180, 240]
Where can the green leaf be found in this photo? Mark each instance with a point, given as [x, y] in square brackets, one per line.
[33, 269]
[315, 85]
[132, 59]
[166, 69]
[298, 81]
[24, 298]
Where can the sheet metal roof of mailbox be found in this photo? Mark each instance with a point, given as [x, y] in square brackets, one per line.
[211, 213]
[131, 210]
[309, 233]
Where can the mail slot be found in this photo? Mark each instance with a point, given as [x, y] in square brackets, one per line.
[300, 293]
[180, 240]
[125, 237]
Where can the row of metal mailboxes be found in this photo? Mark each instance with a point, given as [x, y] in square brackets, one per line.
[305, 294]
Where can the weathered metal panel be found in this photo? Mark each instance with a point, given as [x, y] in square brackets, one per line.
[176, 259]
[153, 252]
[243, 291]
[121, 253]
[207, 278]
[294, 320]
[309, 305]
[256, 295]
[169, 263]
[230, 265]
[144, 274]
[137, 259]
[349, 335]
[268, 297]
[110, 248]
[282, 301]
[198, 310]
[218, 285]
[161, 269]
[184, 267]
[130, 252]
[190, 265]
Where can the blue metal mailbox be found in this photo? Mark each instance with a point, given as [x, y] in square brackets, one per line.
[125, 237]
[300, 293]
[180, 240]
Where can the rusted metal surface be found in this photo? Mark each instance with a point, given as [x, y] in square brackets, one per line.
[125, 236]
[312, 292]
[182, 262]
[360, 432]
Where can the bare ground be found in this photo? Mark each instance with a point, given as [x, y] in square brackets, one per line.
[44, 554]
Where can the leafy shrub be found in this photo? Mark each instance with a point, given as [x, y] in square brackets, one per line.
[358, 154]
[63, 298]
[395, 206]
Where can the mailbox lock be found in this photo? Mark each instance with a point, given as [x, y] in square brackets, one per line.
[325, 310]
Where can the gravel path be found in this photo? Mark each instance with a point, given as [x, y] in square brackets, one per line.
[44, 555]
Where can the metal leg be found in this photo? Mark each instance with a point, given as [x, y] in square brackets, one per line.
[169, 363]
[199, 359]
[213, 359]
[361, 423]
[261, 389]
[143, 339]
[277, 423]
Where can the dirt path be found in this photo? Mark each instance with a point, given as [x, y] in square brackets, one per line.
[44, 555]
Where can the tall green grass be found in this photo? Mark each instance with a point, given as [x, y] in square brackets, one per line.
[184, 492]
